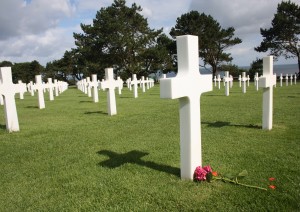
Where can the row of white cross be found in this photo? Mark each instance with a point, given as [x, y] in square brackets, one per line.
[8, 90]
[109, 84]
[228, 81]
[188, 86]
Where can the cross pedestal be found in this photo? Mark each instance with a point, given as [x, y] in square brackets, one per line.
[110, 84]
[188, 86]
[267, 81]
[8, 90]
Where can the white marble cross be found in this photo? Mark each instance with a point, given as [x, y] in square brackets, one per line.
[281, 78]
[128, 81]
[240, 80]
[39, 86]
[56, 87]
[267, 81]
[188, 86]
[226, 80]
[244, 80]
[291, 78]
[51, 87]
[248, 80]
[22, 89]
[287, 79]
[215, 80]
[89, 88]
[219, 81]
[135, 83]
[143, 82]
[120, 85]
[8, 90]
[110, 84]
[295, 77]
[31, 88]
[256, 78]
[94, 85]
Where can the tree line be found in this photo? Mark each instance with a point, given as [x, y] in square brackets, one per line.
[121, 38]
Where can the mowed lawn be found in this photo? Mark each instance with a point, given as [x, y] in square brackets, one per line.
[72, 156]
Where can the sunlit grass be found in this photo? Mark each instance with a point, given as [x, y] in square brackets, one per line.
[72, 156]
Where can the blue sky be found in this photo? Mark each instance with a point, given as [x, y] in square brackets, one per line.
[43, 30]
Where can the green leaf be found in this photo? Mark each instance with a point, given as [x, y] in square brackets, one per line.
[230, 176]
[242, 174]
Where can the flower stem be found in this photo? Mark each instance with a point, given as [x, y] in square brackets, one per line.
[237, 183]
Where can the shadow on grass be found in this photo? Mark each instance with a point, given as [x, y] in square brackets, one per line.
[95, 112]
[219, 124]
[115, 160]
[3, 126]
[32, 107]
[86, 101]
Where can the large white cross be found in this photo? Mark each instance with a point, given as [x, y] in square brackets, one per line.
[110, 84]
[39, 86]
[287, 79]
[267, 81]
[188, 86]
[89, 88]
[8, 90]
[219, 81]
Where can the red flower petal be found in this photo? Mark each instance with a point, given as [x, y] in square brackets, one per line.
[214, 174]
[272, 187]
[271, 179]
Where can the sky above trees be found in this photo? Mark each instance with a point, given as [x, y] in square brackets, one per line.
[42, 30]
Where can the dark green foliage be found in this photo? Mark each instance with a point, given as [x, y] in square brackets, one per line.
[120, 38]
[234, 70]
[213, 40]
[24, 71]
[256, 66]
[283, 38]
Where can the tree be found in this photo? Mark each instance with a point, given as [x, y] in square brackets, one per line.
[282, 39]
[120, 38]
[26, 71]
[256, 66]
[233, 70]
[213, 40]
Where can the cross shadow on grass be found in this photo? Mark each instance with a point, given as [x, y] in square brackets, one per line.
[134, 157]
[32, 107]
[219, 124]
[3, 126]
[95, 112]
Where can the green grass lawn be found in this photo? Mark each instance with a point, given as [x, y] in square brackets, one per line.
[72, 156]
